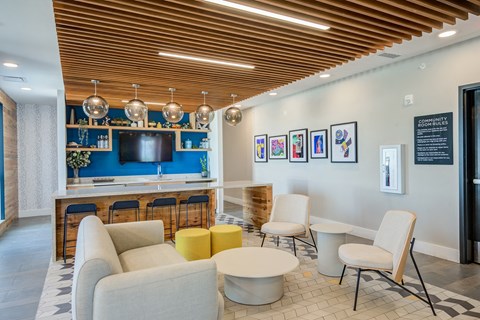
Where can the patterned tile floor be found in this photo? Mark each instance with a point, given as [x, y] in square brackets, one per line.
[308, 294]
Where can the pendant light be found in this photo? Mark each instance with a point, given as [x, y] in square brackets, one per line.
[135, 109]
[204, 113]
[95, 107]
[233, 115]
[172, 111]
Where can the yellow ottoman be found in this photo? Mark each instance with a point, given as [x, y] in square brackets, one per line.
[193, 244]
[225, 236]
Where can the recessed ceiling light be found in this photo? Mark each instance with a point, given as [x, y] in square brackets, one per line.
[26, 89]
[10, 64]
[226, 63]
[447, 34]
[325, 75]
[269, 14]
[272, 94]
[238, 105]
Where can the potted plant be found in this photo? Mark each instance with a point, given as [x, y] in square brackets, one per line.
[203, 163]
[77, 160]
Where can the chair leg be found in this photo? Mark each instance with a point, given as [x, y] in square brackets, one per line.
[313, 239]
[356, 290]
[278, 240]
[343, 273]
[294, 248]
[65, 239]
[420, 277]
[263, 240]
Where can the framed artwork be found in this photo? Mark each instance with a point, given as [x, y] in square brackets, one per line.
[391, 168]
[260, 148]
[277, 147]
[319, 144]
[343, 142]
[298, 150]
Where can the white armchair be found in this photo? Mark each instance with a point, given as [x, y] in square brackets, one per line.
[289, 218]
[388, 253]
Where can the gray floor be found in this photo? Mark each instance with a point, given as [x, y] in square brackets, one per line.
[24, 258]
[25, 253]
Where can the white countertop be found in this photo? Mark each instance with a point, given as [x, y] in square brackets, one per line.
[138, 180]
[123, 189]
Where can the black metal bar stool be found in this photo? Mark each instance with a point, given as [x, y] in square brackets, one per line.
[195, 201]
[171, 203]
[74, 209]
[123, 205]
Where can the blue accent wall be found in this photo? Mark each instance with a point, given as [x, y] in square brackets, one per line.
[2, 168]
[108, 164]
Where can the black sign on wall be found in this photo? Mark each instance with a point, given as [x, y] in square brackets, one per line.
[434, 139]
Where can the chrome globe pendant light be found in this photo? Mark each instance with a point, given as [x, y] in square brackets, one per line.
[233, 115]
[172, 111]
[135, 109]
[204, 113]
[95, 107]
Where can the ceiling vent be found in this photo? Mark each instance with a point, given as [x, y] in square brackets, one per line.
[13, 79]
[389, 55]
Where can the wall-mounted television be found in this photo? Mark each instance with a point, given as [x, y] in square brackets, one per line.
[138, 146]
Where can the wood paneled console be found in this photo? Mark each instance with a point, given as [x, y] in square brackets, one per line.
[257, 198]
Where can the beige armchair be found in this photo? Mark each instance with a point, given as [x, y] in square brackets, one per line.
[388, 254]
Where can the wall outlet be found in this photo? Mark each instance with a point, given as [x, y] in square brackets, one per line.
[408, 100]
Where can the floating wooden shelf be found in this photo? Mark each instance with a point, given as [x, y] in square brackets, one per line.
[88, 149]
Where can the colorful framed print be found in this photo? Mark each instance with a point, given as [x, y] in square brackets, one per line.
[260, 148]
[298, 150]
[391, 168]
[319, 144]
[278, 147]
[343, 142]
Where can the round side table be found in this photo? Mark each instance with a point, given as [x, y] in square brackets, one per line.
[330, 236]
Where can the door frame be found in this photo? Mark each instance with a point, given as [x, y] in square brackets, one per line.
[465, 185]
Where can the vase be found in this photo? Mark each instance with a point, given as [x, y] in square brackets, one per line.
[76, 178]
[204, 174]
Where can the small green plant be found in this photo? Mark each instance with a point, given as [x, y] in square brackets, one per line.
[203, 163]
[78, 159]
[82, 131]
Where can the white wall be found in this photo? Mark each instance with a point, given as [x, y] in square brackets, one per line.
[37, 158]
[349, 193]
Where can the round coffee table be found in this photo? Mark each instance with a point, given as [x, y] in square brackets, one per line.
[254, 276]
[330, 236]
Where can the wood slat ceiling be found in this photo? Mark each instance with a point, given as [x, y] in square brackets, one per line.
[118, 41]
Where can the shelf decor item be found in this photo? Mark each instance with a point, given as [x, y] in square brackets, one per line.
[391, 169]
[278, 148]
[203, 163]
[77, 160]
[172, 111]
[136, 110]
[82, 131]
[260, 148]
[205, 113]
[233, 115]
[298, 151]
[95, 107]
[343, 142]
[318, 144]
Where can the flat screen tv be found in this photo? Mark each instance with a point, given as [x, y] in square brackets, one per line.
[145, 146]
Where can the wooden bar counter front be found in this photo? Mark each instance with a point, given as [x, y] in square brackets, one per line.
[103, 197]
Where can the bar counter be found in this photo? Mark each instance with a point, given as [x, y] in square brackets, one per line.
[257, 198]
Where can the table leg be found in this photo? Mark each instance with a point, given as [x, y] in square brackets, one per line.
[253, 291]
[328, 263]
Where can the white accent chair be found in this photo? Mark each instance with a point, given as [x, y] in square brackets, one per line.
[388, 254]
[124, 271]
[289, 218]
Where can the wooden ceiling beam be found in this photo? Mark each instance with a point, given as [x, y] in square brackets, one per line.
[437, 15]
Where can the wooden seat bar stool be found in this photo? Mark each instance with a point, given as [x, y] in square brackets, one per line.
[123, 205]
[195, 201]
[75, 209]
[170, 203]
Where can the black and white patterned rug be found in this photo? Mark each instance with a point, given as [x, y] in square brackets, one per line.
[308, 294]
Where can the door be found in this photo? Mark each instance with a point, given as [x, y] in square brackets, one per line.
[469, 116]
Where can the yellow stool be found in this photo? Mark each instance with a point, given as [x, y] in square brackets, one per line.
[193, 244]
[225, 236]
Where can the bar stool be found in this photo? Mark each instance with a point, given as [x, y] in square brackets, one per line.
[123, 205]
[73, 209]
[162, 203]
[195, 200]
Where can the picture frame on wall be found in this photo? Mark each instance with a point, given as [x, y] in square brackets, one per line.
[298, 145]
[392, 168]
[343, 142]
[278, 147]
[260, 148]
[319, 144]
